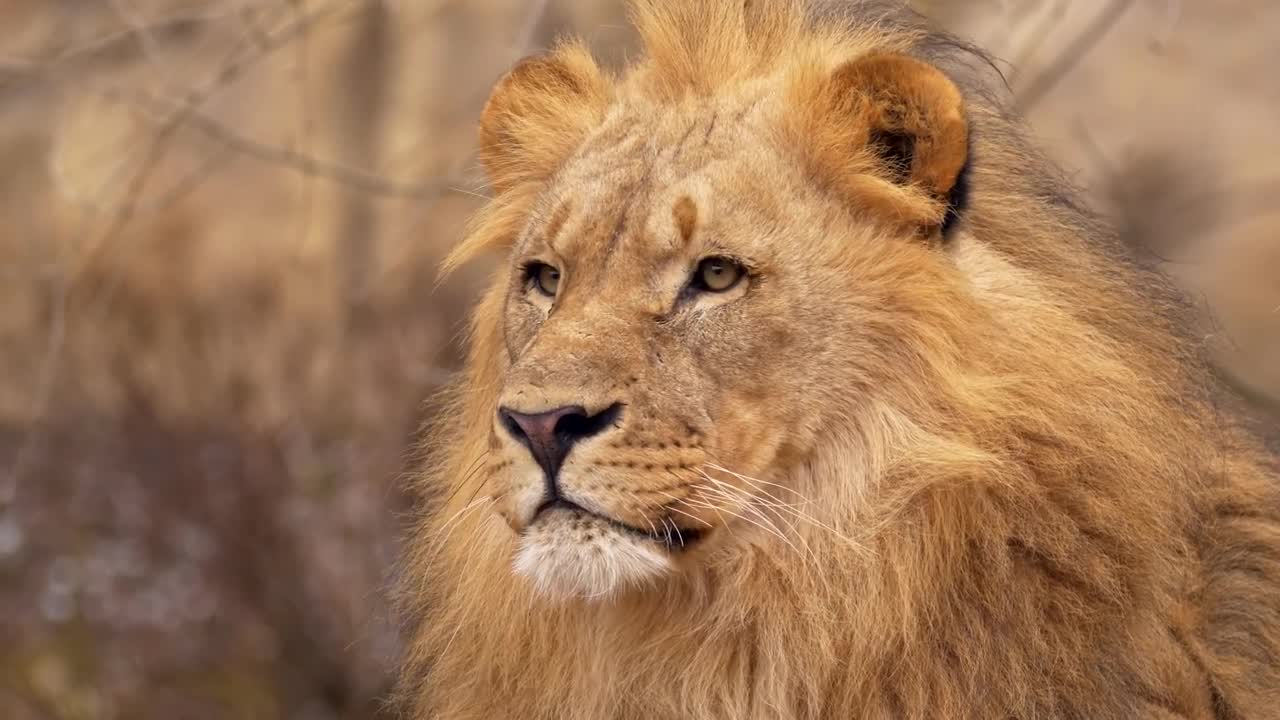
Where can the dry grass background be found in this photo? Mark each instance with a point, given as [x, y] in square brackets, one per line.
[219, 316]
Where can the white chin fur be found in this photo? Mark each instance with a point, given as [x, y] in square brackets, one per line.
[561, 564]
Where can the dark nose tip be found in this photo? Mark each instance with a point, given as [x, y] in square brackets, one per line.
[552, 434]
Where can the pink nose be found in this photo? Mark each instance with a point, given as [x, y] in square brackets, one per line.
[551, 434]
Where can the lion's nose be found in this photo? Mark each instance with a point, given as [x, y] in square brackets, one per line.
[550, 435]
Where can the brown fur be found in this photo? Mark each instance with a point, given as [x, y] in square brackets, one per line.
[978, 474]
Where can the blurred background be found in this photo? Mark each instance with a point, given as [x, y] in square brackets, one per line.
[219, 315]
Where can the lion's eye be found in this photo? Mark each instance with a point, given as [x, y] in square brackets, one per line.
[545, 278]
[717, 274]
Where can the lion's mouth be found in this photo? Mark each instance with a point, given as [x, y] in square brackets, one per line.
[669, 535]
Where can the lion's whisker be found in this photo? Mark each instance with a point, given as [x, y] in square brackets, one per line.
[755, 483]
[678, 510]
[789, 508]
[770, 501]
[767, 527]
[757, 480]
[446, 530]
[645, 516]
[666, 522]
[750, 503]
[472, 468]
[698, 489]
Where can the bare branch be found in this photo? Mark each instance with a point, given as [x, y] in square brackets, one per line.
[17, 65]
[109, 41]
[146, 38]
[1057, 10]
[1172, 16]
[10, 482]
[306, 126]
[230, 71]
[1070, 57]
[287, 158]
[524, 39]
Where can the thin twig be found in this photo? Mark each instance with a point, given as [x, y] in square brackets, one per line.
[140, 28]
[108, 41]
[287, 158]
[1052, 19]
[190, 182]
[306, 127]
[524, 39]
[1172, 16]
[1070, 57]
[10, 484]
[190, 105]
[232, 69]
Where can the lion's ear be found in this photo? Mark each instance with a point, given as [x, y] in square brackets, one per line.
[537, 114]
[890, 132]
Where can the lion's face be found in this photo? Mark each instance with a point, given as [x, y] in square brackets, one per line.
[672, 313]
[687, 313]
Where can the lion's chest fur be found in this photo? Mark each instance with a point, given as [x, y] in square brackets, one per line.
[790, 647]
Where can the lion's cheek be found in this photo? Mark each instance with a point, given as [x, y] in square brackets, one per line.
[749, 431]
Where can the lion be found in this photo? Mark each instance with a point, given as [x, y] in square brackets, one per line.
[808, 389]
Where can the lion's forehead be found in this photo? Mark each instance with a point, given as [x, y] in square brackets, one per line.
[658, 145]
[646, 194]
[623, 214]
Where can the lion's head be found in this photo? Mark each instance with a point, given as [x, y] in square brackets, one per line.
[803, 375]
[698, 295]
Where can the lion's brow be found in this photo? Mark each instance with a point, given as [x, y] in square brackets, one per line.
[559, 217]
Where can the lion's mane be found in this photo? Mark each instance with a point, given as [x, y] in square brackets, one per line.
[1068, 527]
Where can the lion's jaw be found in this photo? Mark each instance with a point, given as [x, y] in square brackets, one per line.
[568, 554]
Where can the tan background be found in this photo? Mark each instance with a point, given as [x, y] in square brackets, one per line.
[219, 315]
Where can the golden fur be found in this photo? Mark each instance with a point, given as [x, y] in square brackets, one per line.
[945, 453]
